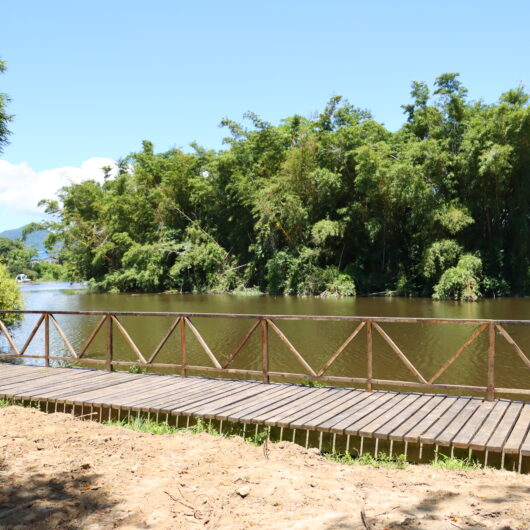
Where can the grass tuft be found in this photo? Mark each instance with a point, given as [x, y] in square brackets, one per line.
[447, 462]
[382, 460]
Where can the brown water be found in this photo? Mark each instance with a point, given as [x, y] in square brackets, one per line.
[426, 345]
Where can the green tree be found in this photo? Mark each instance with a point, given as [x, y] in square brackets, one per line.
[5, 118]
[10, 297]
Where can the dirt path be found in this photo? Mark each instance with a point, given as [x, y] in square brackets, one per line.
[61, 472]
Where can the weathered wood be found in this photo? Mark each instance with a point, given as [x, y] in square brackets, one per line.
[46, 340]
[412, 434]
[504, 428]
[369, 355]
[183, 353]
[32, 334]
[473, 425]
[293, 350]
[451, 430]
[399, 353]
[521, 427]
[265, 350]
[63, 337]
[162, 343]
[341, 348]
[374, 401]
[240, 346]
[388, 428]
[443, 420]
[128, 339]
[92, 336]
[490, 396]
[388, 416]
[514, 345]
[9, 338]
[110, 345]
[458, 352]
[430, 436]
[202, 342]
[480, 438]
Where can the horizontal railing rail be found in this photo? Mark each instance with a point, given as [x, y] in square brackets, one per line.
[182, 324]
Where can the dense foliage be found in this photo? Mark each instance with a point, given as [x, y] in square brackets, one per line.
[10, 297]
[329, 205]
[5, 118]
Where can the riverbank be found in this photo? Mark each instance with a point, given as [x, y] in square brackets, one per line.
[61, 472]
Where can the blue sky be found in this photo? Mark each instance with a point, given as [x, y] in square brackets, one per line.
[93, 79]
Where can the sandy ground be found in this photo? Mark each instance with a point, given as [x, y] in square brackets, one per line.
[60, 472]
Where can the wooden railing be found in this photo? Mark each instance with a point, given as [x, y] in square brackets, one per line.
[183, 323]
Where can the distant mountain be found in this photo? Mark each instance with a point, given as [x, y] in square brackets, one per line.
[35, 239]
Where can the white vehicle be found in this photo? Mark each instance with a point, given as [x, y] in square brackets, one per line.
[22, 278]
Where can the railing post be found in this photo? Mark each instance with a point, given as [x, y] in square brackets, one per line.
[491, 363]
[183, 370]
[110, 344]
[265, 350]
[47, 340]
[369, 361]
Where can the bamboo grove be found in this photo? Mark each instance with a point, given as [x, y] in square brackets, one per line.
[335, 204]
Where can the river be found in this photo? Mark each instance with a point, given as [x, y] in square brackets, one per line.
[426, 345]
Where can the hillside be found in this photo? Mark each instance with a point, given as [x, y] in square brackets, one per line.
[35, 239]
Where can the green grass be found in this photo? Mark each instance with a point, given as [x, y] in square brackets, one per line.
[448, 462]
[382, 460]
[142, 424]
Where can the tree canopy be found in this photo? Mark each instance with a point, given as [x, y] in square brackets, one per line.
[331, 205]
[5, 118]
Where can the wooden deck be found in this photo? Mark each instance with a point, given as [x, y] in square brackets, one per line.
[500, 426]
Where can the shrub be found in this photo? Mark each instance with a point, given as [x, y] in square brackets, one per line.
[10, 297]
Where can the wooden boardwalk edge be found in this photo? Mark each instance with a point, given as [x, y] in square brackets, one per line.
[502, 426]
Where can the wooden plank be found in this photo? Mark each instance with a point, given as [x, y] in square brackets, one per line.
[525, 448]
[170, 391]
[288, 419]
[174, 402]
[212, 408]
[116, 387]
[233, 394]
[430, 419]
[355, 404]
[234, 412]
[129, 340]
[159, 386]
[420, 420]
[153, 403]
[395, 412]
[77, 386]
[431, 435]
[390, 426]
[327, 417]
[518, 434]
[358, 425]
[46, 383]
[21, 377]
[256, 416]
[371, 402]
[312, 419]
[9, 338]
[300, 402]
[473, 424]
[504, 428]
[446, 436]
[481, 437]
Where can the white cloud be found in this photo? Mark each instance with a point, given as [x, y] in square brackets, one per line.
[21, 187]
